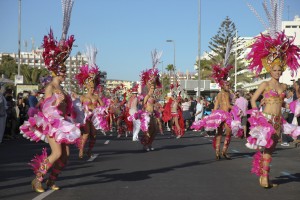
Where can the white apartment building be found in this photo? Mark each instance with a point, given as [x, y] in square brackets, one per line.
[112, 83]
[35, 59]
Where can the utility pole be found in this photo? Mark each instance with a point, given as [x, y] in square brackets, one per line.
[19, 41]
[199, 47]
[235, 60]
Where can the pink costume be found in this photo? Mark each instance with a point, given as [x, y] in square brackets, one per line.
[94, 113]
[270, 50]
[150, 80]
[50, 121]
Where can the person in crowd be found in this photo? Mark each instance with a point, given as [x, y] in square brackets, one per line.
[296, 85]
[274, 52]
[288, 115]
[9, 115]
[90, 102]
[220, 119]
[193, 104]
[185, 106]
[15, 120]
[223, 104]
[177, 122]
[209, 109]
[22, 108]
[199, 109]
[52, 124]
[133, 109]
[33, 101]
[150, 81]
[242, 103]
[248, 98]
[3, 115]
[32, 98]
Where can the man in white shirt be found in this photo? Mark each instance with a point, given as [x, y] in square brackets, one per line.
[132, 105]
[199, 109]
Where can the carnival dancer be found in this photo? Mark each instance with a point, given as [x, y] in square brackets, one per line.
[150, 80]
[51, 124]
[172, 112]
[273, 51]
[133, 110]
[220, 118]
[116, 110]
[177, 118]
[120, 113]
[90, 102]
[158, 109]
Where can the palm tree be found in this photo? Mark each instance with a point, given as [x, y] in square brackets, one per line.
[32, 75]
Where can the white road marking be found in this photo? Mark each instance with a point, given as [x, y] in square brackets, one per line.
[288, 174]
[247, 156]
[106, 142]
[236, 151]
[43, 195]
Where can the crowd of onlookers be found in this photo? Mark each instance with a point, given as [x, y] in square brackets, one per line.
[14, 111]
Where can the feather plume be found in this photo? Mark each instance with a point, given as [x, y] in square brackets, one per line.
[227, 52]
[274, 16]
[155, 58]
[257, 15]
[91, 53]
[67, 6]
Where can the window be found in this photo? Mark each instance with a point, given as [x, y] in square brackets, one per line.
[287, 26]
[294, 26]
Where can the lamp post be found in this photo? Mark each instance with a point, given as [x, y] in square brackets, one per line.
[235, 60]
[19, 40]
[199, 47]
[174, 67]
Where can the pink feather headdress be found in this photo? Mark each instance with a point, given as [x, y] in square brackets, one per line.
[150, 76]
[220, 74]
[55, 53]
[267, 51]
[86, 74]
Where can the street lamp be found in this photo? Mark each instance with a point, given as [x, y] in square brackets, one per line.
[174, 67]
[199, 47]
[235, 59]
[19, 39]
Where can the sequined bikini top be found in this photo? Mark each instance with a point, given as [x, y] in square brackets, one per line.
[272, 96]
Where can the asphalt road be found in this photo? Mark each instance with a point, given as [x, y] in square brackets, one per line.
[178, 169]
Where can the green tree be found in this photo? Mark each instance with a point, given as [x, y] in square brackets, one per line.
[166, 84]
[205, 69]
[170, 68]
[32, 75]
[8, 67]
[218, 43]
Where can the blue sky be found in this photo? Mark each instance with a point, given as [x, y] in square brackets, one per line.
[126, 31]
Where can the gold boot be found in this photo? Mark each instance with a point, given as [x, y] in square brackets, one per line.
[51, 185]
[37, 186]
[218, 157]
[226, 156]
